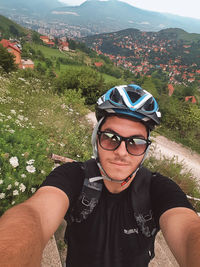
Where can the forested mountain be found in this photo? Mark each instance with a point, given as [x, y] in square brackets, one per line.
[172, 50]
[98, 16]
[106, 16]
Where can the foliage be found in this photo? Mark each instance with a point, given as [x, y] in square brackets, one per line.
[36, 122]
[180, 120]
[9, 28]
[89, 81]
[174, 170]
[7, 61]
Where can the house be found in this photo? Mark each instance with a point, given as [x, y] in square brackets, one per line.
[98, 64]
[13, 49]
[45, 39]
[171, 89]
[191, 98]
[25, 64]
[64, 46]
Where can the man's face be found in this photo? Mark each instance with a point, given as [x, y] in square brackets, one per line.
[119, 164]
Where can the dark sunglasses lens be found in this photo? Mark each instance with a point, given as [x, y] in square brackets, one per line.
[136, 146]
[109, 141]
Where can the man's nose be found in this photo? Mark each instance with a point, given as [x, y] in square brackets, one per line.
[121, 150]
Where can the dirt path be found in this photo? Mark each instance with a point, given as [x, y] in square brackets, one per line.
[163, 147]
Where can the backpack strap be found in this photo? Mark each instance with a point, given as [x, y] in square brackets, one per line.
[90, 194]
[141, 203]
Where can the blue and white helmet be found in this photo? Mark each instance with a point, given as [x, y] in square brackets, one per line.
[130, 100]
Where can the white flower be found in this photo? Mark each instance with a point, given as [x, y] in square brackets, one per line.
[23, 175]
[33, 190]
[11, 131]
[2, 195]
[16, 183]
[14, 162]
[22, 187]
[13, 203]
[20, 117]
[9, 117]
[30, 162]
[15, 193]
[13, 111]
[9, 187]
[43, 172]
[30, 168]
[1, 181]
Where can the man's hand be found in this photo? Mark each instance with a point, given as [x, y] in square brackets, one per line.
[181, 229]
[26, 228]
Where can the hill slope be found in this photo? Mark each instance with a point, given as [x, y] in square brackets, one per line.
[9, 28]
[105, 16]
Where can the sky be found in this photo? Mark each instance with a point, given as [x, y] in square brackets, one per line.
[186, 8]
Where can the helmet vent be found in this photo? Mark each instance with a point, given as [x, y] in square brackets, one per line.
[133, 96]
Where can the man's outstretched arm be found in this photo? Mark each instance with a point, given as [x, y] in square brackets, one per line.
[181, 229]
[26, 228]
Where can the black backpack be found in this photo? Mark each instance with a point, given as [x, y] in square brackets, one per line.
[140, 197]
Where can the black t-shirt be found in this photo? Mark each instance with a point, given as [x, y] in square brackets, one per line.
[109, 236]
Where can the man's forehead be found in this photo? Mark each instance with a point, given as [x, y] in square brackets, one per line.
[122, 123]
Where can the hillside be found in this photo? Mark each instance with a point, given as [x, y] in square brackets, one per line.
[106, 16]
[172, 50]
[91, 17]
[23, 7]
[8, 28]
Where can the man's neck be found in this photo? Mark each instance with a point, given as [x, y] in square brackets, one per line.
[116, 188]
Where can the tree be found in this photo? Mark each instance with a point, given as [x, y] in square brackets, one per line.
[14, 31]
[7, 61]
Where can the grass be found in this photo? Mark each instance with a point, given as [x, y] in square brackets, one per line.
[34, 123]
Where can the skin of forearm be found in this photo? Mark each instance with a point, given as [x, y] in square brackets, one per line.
[193, 245]
[21, 238]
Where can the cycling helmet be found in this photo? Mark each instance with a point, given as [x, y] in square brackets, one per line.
[130, 100]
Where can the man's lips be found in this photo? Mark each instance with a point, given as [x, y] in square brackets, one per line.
[119, 163]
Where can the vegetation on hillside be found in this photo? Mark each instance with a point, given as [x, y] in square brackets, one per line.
[8, 29]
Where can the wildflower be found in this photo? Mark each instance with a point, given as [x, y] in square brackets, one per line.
[20, 117]
[43, 172]
[2, 195]
[23, 175]
[22, 187]
[33, 190]
[11, 131]
[13, 111]
[16, 183]
[13, 202]
[9, 117]
[30, 168]
[15, 193]
[14, 162]
[9, 187]
[30, 162]
[1, 181]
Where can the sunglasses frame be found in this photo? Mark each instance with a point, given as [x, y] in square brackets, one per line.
[125, 139]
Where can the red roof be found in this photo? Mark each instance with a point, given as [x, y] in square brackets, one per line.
[192, 98]
[171, 89]
[44, 37]
[98, 64]
[7, 44]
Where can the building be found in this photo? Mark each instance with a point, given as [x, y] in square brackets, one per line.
[25, 64]
[45, 39]
[13, 49]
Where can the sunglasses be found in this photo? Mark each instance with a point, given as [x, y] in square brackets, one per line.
[134, 145]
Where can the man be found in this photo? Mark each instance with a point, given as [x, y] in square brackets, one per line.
[108, 231]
